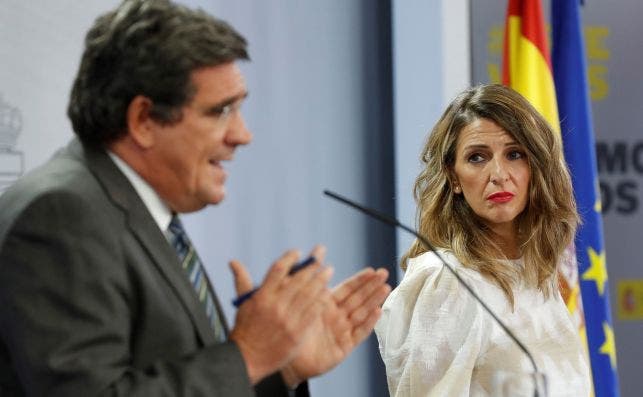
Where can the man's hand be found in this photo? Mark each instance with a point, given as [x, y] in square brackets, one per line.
[348, 317]
[272, 325]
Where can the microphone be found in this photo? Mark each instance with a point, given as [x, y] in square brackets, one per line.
[394, 222]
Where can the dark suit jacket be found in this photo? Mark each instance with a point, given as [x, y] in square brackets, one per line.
[92, 299]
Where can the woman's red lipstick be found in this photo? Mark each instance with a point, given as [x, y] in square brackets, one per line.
[500, 197]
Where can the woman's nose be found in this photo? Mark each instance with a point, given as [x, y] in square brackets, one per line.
[499, 172]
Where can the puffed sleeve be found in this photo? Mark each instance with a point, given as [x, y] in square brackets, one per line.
[431, 331]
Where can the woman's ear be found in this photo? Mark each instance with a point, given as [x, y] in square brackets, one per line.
[453, 182]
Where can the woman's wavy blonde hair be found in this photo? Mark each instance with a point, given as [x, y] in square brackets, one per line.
[546, 226]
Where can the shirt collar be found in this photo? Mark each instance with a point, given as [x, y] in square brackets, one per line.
[153, 202]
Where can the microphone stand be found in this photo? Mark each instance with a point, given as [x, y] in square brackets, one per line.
[394, 222]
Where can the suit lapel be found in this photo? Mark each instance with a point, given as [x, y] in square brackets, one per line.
[146, 231]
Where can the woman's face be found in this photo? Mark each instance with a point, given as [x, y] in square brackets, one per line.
[492, 172]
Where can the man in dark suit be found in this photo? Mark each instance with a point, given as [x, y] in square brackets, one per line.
[101, 292]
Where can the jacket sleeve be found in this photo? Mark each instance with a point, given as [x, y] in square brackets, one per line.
[67, 313]
[275, 386]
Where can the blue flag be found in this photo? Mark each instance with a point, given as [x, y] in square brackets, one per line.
[570, 76]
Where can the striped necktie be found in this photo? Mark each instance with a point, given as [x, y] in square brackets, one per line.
[193, 269]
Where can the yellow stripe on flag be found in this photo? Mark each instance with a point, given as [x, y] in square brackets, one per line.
[534, 81]
[529, 73]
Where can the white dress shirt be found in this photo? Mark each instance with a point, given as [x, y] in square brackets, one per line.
[153, 202]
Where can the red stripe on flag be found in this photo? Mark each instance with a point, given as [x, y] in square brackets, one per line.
[533, 26]
[514, 8]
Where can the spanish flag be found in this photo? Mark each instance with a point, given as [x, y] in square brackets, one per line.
[526, 64]
[527, 68]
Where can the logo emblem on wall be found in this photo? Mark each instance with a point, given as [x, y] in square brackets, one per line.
[12, 161]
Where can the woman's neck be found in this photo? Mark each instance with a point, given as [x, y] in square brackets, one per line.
[506, 237]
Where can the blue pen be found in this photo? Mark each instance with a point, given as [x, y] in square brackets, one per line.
[299, 266]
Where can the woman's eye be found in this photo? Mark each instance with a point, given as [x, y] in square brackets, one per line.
[475, 158]
[515, 155]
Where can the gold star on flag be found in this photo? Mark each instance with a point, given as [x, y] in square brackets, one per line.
[598, 206]
[608, 347]
[597, 270]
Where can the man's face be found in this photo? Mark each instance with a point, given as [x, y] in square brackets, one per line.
[186, 160]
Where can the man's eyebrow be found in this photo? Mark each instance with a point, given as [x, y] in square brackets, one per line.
[227, 102]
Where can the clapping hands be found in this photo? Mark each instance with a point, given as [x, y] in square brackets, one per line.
[297, 325]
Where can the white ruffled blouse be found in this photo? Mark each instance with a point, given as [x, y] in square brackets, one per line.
[436, 340]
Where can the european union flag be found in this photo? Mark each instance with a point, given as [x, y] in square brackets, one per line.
[570, 76]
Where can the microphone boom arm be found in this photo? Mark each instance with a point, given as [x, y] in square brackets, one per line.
[394, 222]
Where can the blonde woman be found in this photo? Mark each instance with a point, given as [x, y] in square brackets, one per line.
[495, 198]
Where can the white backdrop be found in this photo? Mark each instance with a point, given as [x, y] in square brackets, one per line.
[431, 66]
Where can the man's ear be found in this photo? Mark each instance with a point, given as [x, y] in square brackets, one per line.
[141, 126]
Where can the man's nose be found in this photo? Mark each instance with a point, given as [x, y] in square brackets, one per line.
[238, 133]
